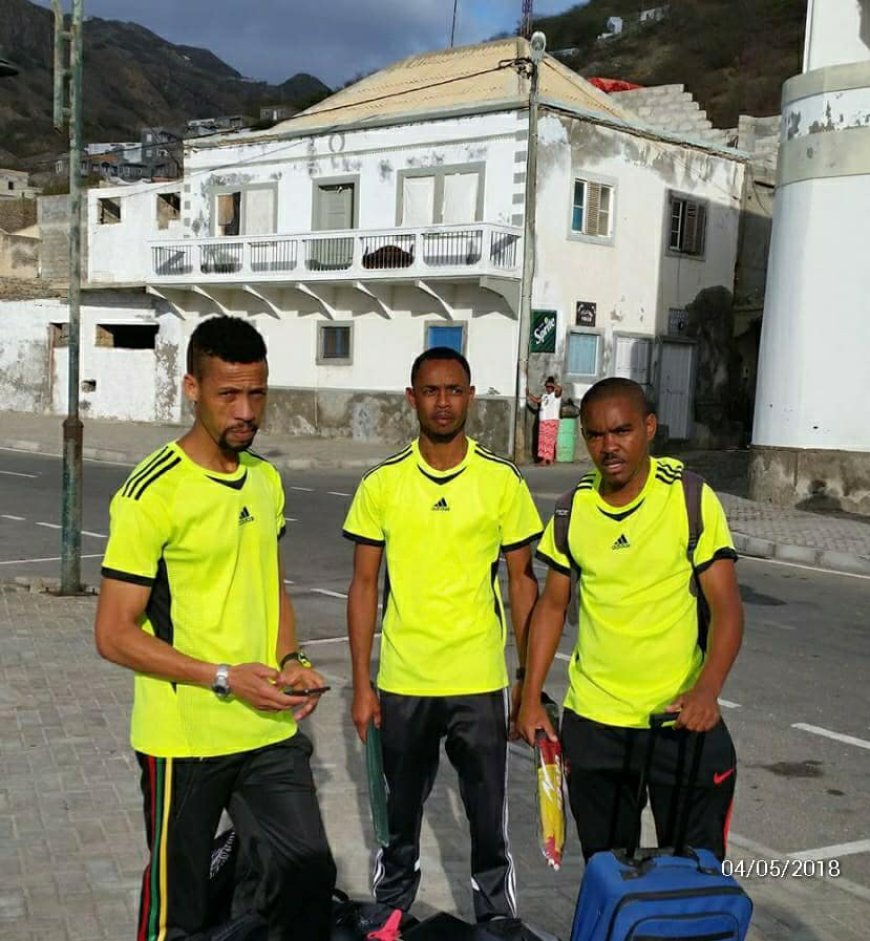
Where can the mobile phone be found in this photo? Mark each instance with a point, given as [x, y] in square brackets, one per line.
[313, 691]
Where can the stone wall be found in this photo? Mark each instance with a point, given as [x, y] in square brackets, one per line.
[375, 416]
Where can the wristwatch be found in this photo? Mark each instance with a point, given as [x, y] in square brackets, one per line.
[220, 685]
[298, 656]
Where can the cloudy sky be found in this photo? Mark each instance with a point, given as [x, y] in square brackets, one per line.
[332, 39]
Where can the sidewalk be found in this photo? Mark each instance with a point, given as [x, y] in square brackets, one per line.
[837, 542]
[71, 833]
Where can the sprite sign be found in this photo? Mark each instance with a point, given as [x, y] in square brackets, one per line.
[543, 332]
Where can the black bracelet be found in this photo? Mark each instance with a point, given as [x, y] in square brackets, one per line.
[297, 655]
[521, 673]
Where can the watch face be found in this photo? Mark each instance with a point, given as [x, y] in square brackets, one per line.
[221, 686]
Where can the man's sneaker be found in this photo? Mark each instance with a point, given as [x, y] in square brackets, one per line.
[390, 929]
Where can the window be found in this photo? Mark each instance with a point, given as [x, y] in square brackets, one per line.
[168, 209]
[59, 334]
[591, 209]
[688, 222]
[452, 336]
[335, 344]
[127, 336]
[678, 320]
[632, 356]
[109, 211]
[583, 351]
[441, 196]
[229, 212]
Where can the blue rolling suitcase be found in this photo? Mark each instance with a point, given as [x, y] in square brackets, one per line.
[675, 894]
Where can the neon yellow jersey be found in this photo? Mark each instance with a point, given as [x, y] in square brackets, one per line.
[637, 640]
[442, 531]
[206, 545]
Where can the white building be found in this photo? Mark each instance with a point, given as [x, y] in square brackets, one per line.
[390, 217]
[811, 436]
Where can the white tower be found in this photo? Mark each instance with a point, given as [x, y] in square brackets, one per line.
[811, 434]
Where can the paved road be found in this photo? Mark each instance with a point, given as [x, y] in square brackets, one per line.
[797, 702]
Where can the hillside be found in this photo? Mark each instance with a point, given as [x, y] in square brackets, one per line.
[132, 79]
[733, 55]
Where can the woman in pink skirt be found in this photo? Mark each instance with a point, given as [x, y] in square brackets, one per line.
[548, 418]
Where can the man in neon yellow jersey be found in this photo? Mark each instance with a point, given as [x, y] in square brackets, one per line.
[642, 645]
[193, 601]
[441, 512]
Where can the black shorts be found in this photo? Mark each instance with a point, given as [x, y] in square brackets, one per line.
[604, 766]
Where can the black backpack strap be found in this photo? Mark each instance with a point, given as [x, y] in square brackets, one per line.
[693, 491]
[562, 521]
[693, 488]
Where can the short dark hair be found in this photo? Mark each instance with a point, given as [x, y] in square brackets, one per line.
[231, 339]
[550, 380]
[614, 387]
[440, 353]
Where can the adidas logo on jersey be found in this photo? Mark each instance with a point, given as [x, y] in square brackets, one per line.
[245, 516]
[621, 543]
[441, 505]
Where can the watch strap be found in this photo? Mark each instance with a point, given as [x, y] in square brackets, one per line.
[297, 655]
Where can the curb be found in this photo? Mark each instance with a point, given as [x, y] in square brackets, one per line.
[829, 559]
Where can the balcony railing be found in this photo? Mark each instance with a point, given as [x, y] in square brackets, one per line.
[477, 249]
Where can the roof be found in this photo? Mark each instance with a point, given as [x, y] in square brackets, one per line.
[463, 79]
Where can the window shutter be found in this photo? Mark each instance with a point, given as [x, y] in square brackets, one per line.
[690, 231]
[701, 230]
[593, 205]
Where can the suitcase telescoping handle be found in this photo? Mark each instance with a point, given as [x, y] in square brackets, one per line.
[682, 794]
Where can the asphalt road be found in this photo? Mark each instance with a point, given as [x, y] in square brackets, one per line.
[797, 702]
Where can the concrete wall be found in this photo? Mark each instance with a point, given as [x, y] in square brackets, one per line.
[119, 253]
[374, 416]
[631, 277]
[136, 385]
[19, 256]
[838, 31]
[17, 213]
[53, 217]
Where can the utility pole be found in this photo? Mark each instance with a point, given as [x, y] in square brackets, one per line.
[68, 46]
[537, 47]
[526, 19]
[453, 27]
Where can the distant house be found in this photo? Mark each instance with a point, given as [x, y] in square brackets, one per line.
[203, 127]
[390, 218]
[278, 112]
[15, 184]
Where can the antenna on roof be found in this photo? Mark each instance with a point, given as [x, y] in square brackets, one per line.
[453, 27]
[526, 21]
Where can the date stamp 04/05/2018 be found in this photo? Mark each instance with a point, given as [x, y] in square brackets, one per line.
[785, 868]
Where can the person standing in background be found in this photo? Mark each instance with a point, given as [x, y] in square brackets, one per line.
[550, 404]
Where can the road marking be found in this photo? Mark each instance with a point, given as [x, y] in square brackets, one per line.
[808, 568]
[87, 532]
[290, 519]
[288, 581]
[835, 851]
[55, 558]
[16, 474]
[836, 736]
[304, 489]
[328, 593]
[50, 525]
[9, 516]
[563, 656]
[338, 493]
[730, 705]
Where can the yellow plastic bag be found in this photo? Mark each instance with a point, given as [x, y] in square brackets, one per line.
[549, 770]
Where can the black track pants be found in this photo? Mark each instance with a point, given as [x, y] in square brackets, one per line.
[604, 765]
[289, 872]
[475, 730]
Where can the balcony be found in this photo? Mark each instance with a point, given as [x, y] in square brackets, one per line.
[479, 250]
